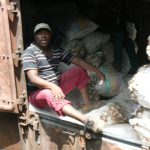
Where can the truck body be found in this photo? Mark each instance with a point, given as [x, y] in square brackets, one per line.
[22, 126]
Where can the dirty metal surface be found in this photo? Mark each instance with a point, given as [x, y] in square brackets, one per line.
[8, 46]
[12, 79]
[9, 133]
[7, 79]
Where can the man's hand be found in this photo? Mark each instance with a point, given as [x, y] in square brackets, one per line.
[100, 76]
[89, 67]
[57, 92]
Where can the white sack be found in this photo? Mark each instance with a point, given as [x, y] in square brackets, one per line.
[114, 83]
[95, 59]
[77, 47]
[94, 41]
[76, 27]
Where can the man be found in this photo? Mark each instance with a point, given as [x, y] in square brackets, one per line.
[46, 87]
[113, 21]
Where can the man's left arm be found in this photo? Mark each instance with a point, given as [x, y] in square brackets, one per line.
[80, 62]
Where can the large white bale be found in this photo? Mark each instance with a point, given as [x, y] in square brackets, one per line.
[107, 115]
[142, 128]
[139, 86]
[141, 124]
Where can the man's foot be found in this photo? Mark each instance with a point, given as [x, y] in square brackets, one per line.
[90, 125]
[88, 107]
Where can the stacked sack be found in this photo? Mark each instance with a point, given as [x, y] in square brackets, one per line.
[95, 47]
[114, 83]
[139, 87]
[86, 42]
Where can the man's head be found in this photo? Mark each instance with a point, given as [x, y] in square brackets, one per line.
[42, 35]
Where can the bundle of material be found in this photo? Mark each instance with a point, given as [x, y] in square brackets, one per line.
[94, 94]
[139, 87]
[76, 27]
[141, 124]
[77, 47]
[87, 45]
[95, 59]
[94, 41]
[107, 115]
[94, 47]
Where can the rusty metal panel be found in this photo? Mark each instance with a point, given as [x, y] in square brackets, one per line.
[11, 75]
[7, 84]
[57, 138]
[15, 25]
[52, 137]
[9, 133]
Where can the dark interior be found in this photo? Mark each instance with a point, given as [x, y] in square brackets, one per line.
[53, 11]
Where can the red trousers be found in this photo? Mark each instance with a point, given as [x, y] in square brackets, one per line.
[73, 78]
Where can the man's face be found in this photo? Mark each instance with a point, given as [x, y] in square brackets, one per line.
[43, 38]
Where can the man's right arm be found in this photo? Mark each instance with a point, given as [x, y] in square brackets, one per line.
[43, 84]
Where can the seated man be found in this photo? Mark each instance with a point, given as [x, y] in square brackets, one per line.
[46, 87]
